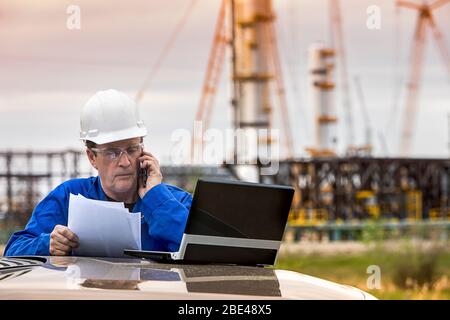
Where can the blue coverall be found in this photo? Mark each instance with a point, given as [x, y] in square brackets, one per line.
[164, 209]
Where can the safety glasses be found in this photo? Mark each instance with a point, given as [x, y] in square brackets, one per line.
[114, 153]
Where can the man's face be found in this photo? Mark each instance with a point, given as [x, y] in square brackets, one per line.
[117, 170]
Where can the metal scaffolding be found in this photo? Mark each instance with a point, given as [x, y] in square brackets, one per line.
[348, 189]
[25, 177]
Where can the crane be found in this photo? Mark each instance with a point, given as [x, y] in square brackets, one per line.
[425, 21]
[214, 70]
[212, 77]
[368, 127]
[337, 41]
[276, 65]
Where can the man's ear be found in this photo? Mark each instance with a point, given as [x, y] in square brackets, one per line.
[92, 158]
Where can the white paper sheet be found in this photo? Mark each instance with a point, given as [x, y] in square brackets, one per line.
[104, 228]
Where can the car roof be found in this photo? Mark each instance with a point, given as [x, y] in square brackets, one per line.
[131, 278]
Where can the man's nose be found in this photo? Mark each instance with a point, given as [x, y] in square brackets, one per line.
[124, 161]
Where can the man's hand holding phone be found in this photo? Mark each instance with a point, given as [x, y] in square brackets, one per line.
[149, 163]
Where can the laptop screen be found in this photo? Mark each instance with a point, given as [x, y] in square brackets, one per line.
[239, 209]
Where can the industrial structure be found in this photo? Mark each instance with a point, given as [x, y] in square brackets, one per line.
[321, 87]
[331, 190]
[25, 176]
[330, 187]
[247, 28]
[338, 45]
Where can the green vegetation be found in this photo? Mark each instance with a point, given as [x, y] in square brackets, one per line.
[5, 234]
[411, 272]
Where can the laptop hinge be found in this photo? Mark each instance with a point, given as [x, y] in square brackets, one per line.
[222, 241]
[179, 255]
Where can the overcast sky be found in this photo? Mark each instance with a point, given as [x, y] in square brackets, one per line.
[48, 72]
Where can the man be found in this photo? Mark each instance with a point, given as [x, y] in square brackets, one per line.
[113, 134]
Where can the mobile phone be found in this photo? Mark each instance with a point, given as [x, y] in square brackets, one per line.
[143, 175]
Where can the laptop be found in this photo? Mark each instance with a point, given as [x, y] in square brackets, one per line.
[231, 222]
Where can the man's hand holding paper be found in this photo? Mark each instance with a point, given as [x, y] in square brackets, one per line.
[104, 228]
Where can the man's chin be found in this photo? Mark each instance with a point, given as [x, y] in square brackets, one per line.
[124, 185]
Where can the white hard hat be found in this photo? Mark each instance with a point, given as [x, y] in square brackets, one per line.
[110, 116]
